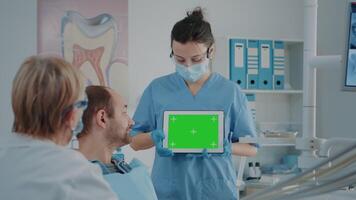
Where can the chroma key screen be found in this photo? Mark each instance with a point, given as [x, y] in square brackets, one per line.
[193, 131]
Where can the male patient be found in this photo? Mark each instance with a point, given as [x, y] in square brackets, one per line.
[106, 128]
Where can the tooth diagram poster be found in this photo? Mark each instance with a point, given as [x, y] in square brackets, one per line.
[90, 34]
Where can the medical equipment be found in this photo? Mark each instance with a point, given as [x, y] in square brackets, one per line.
[120, 163]
[257, 170]
[314, 149]
[321, 173]
[194, 131]
[337, 172]
[254, 172]
[350, 54]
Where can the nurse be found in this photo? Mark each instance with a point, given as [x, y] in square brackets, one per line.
[48, 101]
[193, 87]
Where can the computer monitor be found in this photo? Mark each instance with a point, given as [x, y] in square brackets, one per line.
[350, 53]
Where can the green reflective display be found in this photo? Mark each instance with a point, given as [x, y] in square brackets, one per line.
[193, 131]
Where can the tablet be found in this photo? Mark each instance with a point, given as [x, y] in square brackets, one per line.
[194, 131]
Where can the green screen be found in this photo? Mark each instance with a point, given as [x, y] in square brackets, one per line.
[193, 131]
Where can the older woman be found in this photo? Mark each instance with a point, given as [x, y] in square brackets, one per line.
[48, 101]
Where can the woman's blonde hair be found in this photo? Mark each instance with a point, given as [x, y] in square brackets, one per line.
[43, 89]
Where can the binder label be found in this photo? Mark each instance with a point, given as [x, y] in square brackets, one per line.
[265, 56]
[239, 55]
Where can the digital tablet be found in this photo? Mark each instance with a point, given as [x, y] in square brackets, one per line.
[194, 131]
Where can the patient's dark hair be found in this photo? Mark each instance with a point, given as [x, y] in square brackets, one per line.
[99, 98]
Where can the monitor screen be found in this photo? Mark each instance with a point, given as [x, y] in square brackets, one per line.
[350, 73]
[194, 131]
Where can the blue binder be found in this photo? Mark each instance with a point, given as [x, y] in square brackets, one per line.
[278, 65]
[265, 64]
[238, 62]
[252, 64]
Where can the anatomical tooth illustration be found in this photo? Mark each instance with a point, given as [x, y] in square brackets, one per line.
[90, 45]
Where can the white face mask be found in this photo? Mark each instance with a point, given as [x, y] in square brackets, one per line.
[194, 72]
[78, 127]
[73, 144]
[82, 104]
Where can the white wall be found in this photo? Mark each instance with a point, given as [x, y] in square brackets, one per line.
[336, 109]
[17, 41]
[150, 23]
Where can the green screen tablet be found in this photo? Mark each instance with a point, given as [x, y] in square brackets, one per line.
[194, 131]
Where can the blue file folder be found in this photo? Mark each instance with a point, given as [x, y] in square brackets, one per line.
[251, 99]
[265, 64]
[238, 64]
[252, 64]
[278, 65]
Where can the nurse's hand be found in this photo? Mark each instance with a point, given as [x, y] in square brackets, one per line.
[157, 137]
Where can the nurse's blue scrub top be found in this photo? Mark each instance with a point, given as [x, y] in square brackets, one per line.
[181, 177]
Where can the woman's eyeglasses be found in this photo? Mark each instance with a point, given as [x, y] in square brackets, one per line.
[194, 60]
[81, 104]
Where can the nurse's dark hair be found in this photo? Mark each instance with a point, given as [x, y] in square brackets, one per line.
[193, 28]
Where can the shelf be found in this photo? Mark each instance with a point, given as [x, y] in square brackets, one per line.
[273, 91]
[287, 40]
[269, 141]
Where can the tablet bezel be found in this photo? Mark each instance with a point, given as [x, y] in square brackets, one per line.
[195, 150]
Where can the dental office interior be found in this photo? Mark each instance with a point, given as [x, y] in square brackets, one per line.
[305, 124]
